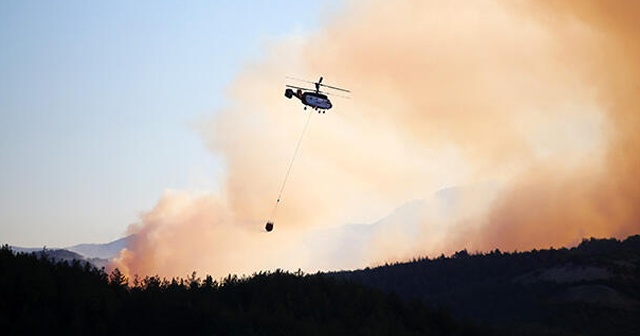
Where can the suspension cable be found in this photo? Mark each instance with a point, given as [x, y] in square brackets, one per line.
[286, 176]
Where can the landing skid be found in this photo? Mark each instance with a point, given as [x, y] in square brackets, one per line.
[319, 110]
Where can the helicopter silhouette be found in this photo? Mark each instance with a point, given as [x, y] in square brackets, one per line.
[316, 99]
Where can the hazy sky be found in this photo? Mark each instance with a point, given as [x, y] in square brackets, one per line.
[99, 101]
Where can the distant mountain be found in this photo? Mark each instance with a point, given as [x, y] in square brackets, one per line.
[102, 251]
[98, 255]
[56, 254]
[592, 289]
[27, 249]
[349, 246]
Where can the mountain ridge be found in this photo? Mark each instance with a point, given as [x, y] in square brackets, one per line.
[102, 251]
[591, 289]
[99, 255]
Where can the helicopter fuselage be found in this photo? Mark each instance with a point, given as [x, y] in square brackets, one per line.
[317, 101]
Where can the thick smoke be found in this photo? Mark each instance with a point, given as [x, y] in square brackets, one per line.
[486, 124]
[547, 207]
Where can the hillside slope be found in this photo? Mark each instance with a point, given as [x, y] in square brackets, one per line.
[592, 289]
[42, 297]
[101, 251]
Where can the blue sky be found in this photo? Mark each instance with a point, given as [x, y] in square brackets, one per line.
[98, 101]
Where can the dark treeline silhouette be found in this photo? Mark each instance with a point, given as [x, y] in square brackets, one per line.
[592, 289]
[42, 296]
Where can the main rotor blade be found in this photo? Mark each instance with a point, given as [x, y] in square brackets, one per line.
[297, 87]
[318, 83]
[300, 80]
[335, 88]
[335, 95]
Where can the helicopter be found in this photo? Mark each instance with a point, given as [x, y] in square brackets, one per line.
[316, 99]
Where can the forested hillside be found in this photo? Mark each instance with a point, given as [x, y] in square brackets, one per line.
[40, 296]
[592, 289]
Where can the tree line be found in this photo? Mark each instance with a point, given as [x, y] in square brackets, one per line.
[39, 295]
[516, 291]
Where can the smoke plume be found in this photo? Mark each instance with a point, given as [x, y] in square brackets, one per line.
[478, 125]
